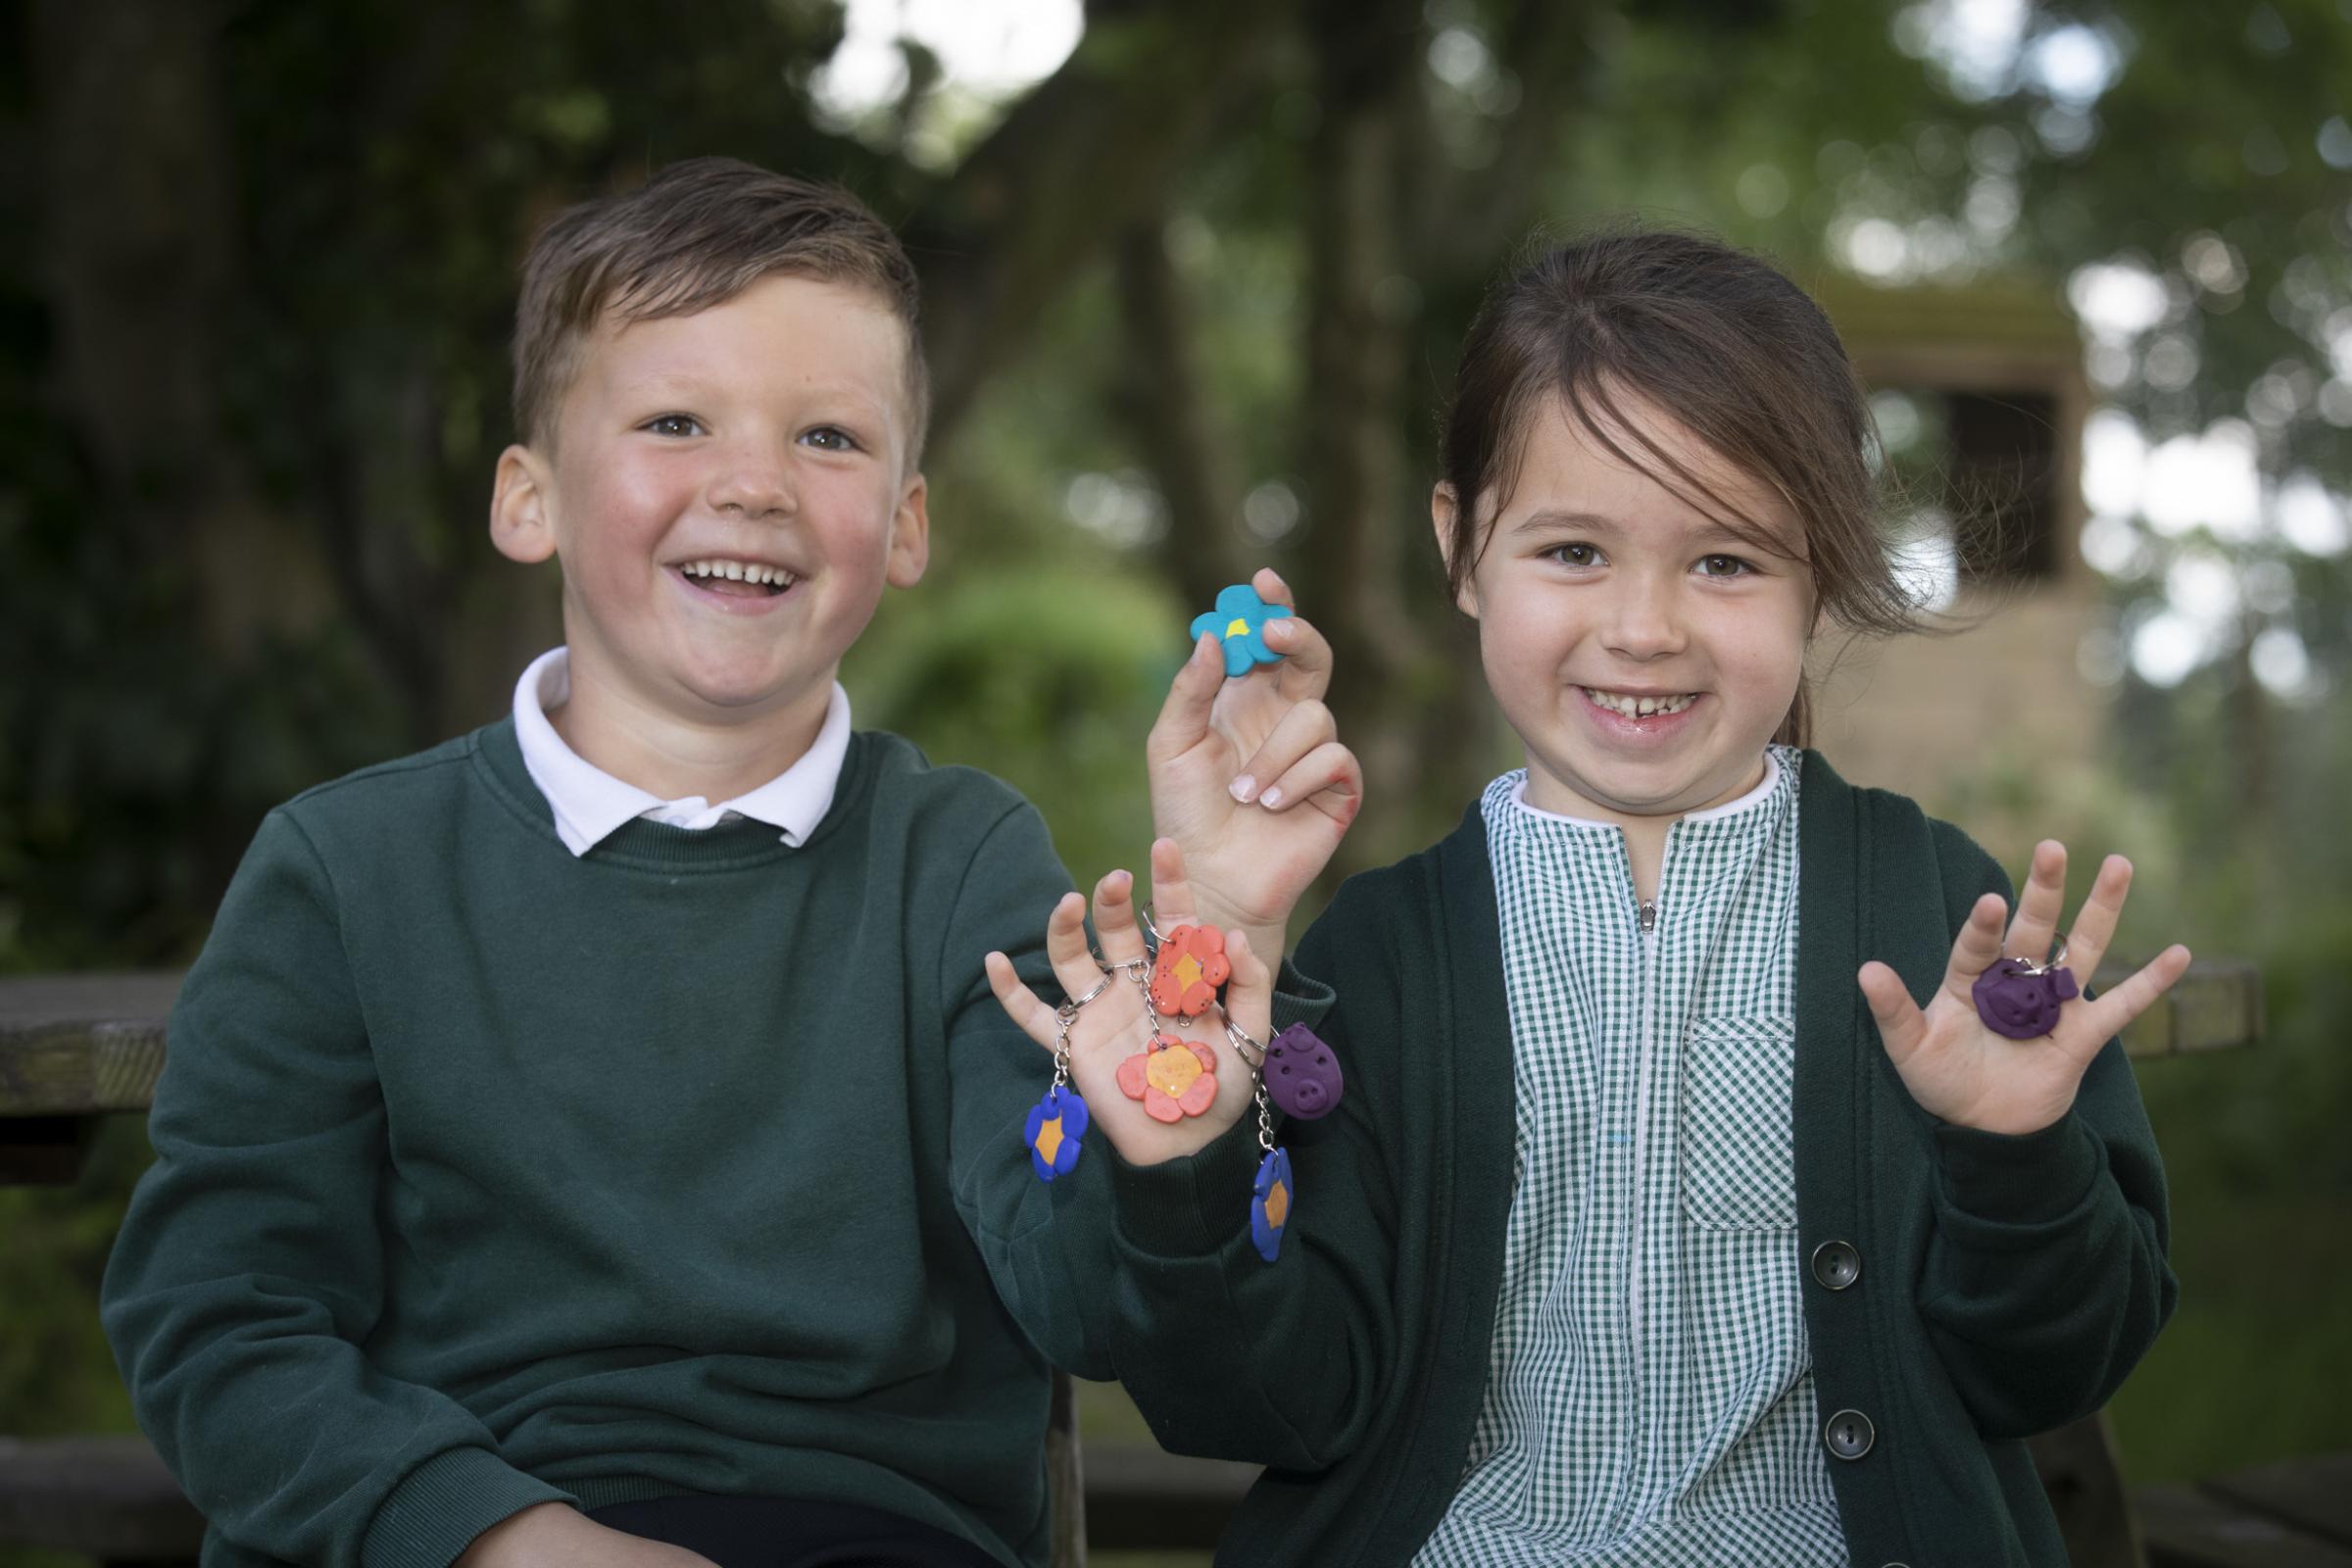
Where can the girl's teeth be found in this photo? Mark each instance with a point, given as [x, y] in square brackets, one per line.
[1639, 707]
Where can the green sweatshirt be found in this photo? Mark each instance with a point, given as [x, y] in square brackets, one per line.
[1963, 1290]
[487, 1176]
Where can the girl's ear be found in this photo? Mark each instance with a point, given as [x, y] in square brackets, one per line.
[521, 521]
[1442, 514]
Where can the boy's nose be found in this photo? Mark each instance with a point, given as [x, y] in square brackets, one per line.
[754, 490]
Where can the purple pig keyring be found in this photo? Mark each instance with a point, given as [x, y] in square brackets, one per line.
[2020, 998]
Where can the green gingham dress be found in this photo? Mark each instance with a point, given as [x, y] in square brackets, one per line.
[1649, 1391]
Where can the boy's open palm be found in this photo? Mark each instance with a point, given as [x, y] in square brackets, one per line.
[1249, 778]
[1112, 1027]
[1971, 1076]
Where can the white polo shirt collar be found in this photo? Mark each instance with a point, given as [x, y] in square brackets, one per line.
[590, 804]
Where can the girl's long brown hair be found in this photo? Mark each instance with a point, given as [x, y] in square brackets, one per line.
[1722, 342]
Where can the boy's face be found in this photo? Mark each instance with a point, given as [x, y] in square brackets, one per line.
[693, 455]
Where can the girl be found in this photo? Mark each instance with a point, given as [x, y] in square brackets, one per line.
[1681, 1206]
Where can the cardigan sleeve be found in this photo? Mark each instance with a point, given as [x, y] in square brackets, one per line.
[2045, 1279]
[1226, 1354]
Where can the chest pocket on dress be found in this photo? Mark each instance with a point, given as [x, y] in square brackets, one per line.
[1738, 1150]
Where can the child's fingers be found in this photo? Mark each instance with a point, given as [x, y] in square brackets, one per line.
[1115, 924]
[1183, 721]
[1020, 1003]
[2041, 904]
[2095, 922]
[1330, 767]
[1975, 948]
[2114, 1010]
[1901, 1025]
[1307, 725]
[1268, 585]
[1171, 890]
[1306, 667]
[1065, 947]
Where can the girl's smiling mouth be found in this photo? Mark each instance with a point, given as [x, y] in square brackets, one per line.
[1637, 707]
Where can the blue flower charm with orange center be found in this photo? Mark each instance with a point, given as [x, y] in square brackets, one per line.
[1055, 1132]
[1240, 622]
[1271, 1199]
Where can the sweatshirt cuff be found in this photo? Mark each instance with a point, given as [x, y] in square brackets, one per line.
[2028, 1179]
[433, 1515]
[1189, 1207]
[1300, 1000]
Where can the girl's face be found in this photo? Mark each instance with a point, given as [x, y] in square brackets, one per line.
[1644, 653]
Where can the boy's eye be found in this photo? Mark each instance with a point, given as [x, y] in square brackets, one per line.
[1575, 555]
[673, 424]
[1723, 566]
[831, 438]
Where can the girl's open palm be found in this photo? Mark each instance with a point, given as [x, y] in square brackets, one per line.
[1967, 1075]
[1113, 1027]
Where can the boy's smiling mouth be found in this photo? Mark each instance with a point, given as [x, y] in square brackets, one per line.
[1631, 705]
[734, 578]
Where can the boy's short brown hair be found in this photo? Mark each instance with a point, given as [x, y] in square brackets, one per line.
[696, 235]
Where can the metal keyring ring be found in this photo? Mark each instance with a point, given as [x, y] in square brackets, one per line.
[1069, 1008]
[1142, 916]
[1244, 1043]
[2056, 961]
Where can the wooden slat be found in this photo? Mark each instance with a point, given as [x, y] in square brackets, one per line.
[82, 1044]
[2186, 1526]
[1139, 1498]
[104, 1497]
[85, 1044]
[2314, 1494]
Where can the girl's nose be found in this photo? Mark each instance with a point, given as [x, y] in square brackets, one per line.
[1644, 623]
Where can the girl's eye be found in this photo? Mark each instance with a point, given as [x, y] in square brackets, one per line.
[1575, 555]
[673, 424]
[831, 438]
[1723, 566]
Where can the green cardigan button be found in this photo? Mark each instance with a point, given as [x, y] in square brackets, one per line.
[1848, 1435]
[1835, 1264]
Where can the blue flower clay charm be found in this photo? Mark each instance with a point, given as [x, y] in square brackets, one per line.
[2021, 1001]
[1240, 622]
[1055, 1132]
[1302, 1076]
[1270, 1203]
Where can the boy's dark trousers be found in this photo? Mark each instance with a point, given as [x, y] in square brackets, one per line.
[779, 1533]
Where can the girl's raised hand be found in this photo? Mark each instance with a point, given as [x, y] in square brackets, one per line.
[1249, 778]
[1967, 1075]
[1112, 1027]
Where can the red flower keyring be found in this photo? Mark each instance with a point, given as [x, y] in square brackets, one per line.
[1173, 1078]
[1191, 965]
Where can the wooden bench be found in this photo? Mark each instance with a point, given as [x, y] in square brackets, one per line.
[75, 1049]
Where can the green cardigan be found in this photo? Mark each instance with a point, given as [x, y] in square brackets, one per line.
[2005, 1285]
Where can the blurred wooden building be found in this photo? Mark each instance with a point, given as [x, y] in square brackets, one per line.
[1985, 384]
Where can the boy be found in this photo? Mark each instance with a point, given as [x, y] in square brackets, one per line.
[599, 1127]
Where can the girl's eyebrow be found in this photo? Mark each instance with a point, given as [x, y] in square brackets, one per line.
[1557, 517]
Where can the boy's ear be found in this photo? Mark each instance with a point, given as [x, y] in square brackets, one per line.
[909, 536]
[520, 501]
[1442, 513]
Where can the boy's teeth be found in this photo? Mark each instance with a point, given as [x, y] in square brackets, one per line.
[1639, 707]
[740, 571]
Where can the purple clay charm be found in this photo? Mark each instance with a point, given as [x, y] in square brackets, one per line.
[2021, 1001]
[1302, 1076]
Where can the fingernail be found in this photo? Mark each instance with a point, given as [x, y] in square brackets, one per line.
[1277, 631]
[1272, 798]
[1243, 788]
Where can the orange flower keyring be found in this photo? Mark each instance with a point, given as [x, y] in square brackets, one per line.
[1191, 965]
[1173, 1078]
